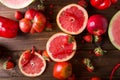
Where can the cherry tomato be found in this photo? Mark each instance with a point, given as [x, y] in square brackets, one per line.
[62, 70]
[101, 4]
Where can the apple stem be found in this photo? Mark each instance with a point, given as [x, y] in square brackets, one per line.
[113, 71]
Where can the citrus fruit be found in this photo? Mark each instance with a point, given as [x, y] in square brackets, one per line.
[16, 4]
[31, 65]
[61, 47]
[114, 30]
[72, 19]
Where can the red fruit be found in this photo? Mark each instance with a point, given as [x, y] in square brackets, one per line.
[61, 47]
[31, 63]
[101, 4]
[45, 55]
[8, 64]
[95, 78]
[88, 38]
[83, 3]
[62, 70]
[25, 25]
[97, 24]
[114, 1]
[88, 64]
[8, 28]
[72, 19]
[26, 57]
[34, 21]
[18, 15]
[48, 26]
[30, 13]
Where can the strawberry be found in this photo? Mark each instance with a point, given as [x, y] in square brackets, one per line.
[48, 26]
[8, 64]
[18, 15]
[88, 38]
[26, 57]
[98, 51]
[46, 56]
[83, 3]
[97, 38]
[87, 62]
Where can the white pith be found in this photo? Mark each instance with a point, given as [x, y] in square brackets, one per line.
[32, 75]
[84, 24]
[49, 53]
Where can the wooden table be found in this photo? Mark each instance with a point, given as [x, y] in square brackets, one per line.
[103, 65]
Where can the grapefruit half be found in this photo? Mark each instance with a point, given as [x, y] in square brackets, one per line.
[72, 19]
[61, 47]
[16, 4]
[34, 67]
[114, 30]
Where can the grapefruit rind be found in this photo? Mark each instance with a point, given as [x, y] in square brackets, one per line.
[49, 53]
[110, 29]
[84, 24]
[32, 75]
[16, 6]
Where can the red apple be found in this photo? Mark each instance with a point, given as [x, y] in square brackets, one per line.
[97, 24]
[62, 70]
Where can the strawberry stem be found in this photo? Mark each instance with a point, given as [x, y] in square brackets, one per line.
[70, 39]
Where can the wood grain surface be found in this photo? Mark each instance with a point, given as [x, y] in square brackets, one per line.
[103, 65]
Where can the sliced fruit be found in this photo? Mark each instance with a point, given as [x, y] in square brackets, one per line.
[34, 66]
[114, 29]
[72, 19]
[61, 47]
[16, 4]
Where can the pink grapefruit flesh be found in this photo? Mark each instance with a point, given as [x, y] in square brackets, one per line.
[114, 30]
[72, 19]
[35, 67]
[59, 48]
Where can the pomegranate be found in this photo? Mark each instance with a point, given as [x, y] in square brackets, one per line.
[97, 24]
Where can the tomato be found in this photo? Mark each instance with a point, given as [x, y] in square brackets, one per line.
[101, 4]
[18, 15]
[33, 21]
[62, 70]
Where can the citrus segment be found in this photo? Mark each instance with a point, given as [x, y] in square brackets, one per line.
[34, 67]
[61, 47]
[114, 29]
[72, 19]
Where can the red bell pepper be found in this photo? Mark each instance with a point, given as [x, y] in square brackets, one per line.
[8, 27]
[101, 4]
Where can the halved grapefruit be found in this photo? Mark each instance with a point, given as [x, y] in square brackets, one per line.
[31, 65]
[61, 47]
[16, 4]
[72, 19]
[114, 30]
